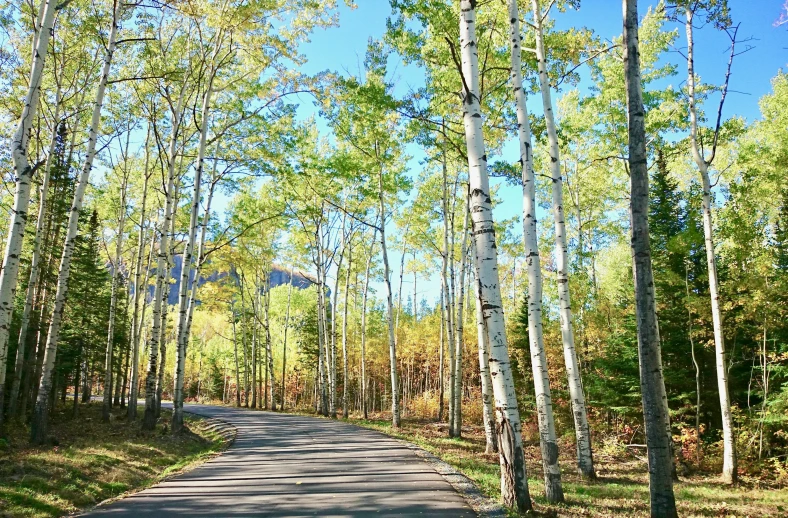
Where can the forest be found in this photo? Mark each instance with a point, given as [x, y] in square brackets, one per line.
[498, 222]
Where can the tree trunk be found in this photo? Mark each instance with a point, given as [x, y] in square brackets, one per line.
[9, 274]
[345, 373]
[237, 369]
[544, 403]
[181, 331]
[395, 416]
[139, 290]
[284, 341]
[458, 333]
[116, 280]
[39, 425]
[729, 466]
[162, 271]
[32, 283]
[491, 442]
[269, 353]
[585, 460]
[652, 383]
[514, 486]
[364, 328]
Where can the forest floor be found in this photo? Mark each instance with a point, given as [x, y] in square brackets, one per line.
[89, 461]
[621, 489]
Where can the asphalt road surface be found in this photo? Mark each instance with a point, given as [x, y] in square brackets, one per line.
[287, 465]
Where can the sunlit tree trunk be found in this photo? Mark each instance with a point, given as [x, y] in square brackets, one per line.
[514, 485]
[729, 465]
[113, 303]
[162, 287]
[181, 327]
[364, 327]
[491, 443]
[585, 460]
[458, 333]
[284, 340]
[269, 353]
[32, 283]
[237, 367]
[138, 321]
[447, 308]
[39, 425]
[395, 416]
[345, 372]
[9, 274]
[652, 383]
[544, 403]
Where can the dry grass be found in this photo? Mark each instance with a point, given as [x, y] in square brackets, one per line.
[91, 461]
[620, 491]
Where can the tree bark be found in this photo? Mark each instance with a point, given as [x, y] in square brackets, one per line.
[491, 441]
[364, 328]
[284, 341]
[39, 425]
[395, 407]
[162, 271]
[9, 274]
[137, 321]
[652, 383]
[181, 327]
[116, 279]
[32, 284]
[345, 373]
[544, 402]
[458, 332]
[514, 486]
[585, 460]
[729, 466]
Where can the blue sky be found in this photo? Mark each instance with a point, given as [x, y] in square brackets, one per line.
[341, 49]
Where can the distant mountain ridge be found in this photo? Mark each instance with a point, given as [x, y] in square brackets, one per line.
[279, 276]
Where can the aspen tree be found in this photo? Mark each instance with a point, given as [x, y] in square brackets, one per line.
[514, 484]
[39, 425]
[652, 383]
[9, 274]
[585, 460]
[544, 403]
[729, 466]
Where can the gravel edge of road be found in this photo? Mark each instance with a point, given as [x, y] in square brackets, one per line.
[225, 429]
[484, 506]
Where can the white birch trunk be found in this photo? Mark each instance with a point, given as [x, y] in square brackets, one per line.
[284, 340]
[585, 460]
[458, 333]
[544, 403]
[652, 383]
[364, 328]
[269, 353]
[395, 416]
[113, 302]
[514, 485]
[491, 443]
[729, 466]
[32, 282]
[38, 428]
[162, 270]
[137, 319]
[9, 275]
[345, 372]
[181, 333]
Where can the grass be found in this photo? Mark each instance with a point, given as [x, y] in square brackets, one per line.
[89, 461]
[620, 491]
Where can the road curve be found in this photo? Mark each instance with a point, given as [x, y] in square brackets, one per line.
[288, 465]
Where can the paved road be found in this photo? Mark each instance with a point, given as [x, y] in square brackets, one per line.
[286, 465]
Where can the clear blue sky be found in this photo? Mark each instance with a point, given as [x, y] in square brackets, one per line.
[342, 48]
